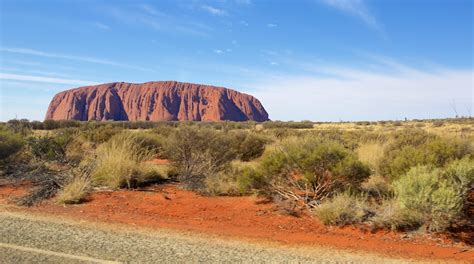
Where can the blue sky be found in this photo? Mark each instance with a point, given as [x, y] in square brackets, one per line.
[322, 60]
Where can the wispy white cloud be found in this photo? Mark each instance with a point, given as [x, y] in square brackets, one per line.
[243, 2]
[271, 25]
[147, 15]
[214, 11]
[34, 71]
[102, 26]
[33, 52]
[244, 23]
[150, 10]
[357, 8]
[43, 79]
[331, 93]
[218, 51]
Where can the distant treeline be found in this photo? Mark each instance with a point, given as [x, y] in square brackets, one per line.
[57, 124]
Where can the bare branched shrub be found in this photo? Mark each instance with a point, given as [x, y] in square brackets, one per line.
[198, 153]
[46, 186]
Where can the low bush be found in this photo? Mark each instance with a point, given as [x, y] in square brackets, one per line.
[343, 209]
[197, 153]
[390, 215]
[246, 145]
[310, 169]
[461, 173]
[10, 144]
[377, 186]
[100, 134]
[424, 190]
[289, 124]
[121, 163]
[52, 147]
[237, 179]
[151, 142]
[46, 148]
[20, 126]
[432, 151]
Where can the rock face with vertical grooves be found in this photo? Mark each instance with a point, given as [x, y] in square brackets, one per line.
[155, 101]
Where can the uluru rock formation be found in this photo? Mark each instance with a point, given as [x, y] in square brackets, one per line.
[155, 101]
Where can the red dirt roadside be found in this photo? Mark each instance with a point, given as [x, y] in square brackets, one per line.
[166, 206]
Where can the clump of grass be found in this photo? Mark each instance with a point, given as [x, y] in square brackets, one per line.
[371, 153]
[390, 215]
[239, 178]
[343, 209]
[120, 163]
[75, 191]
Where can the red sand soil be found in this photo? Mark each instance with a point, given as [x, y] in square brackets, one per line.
[167, 206]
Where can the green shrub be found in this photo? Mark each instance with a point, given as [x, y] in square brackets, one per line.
[46, 148]
[246, 145]
[121, 163]
[461, 173]
[288, 124]
[236, 179]
[249, 178]
[424, 190]
[198, 152]
[310, 168]
[10, 144]
[101, 134]
[52, 147]
[433, 151]
[19, 126]
[343, 209]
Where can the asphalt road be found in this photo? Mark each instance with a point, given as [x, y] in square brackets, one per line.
[32, 239]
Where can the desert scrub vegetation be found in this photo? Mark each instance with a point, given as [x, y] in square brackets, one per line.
[121, 163]
[342, 209]
[10, 143]
[74, 191]
[423, 190]
[238, 178]
[397, 175]
[420, 148]
[309, 169]
[425, 197]
[200, 153]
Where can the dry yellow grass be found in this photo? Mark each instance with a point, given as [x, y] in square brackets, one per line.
[371, 153]
[121, 163]
[75, 191]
